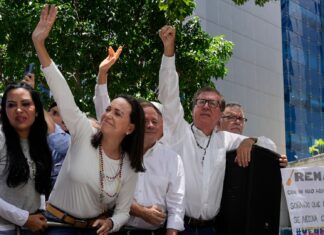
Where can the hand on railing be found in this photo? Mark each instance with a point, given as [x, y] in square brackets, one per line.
[36, 223]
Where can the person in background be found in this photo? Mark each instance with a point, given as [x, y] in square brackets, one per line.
[233, 120]
[56, 116]
[100, 169]
[159, 193]
[25, 160]
[201, 146]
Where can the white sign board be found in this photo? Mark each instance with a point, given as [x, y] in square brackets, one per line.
[304, 190]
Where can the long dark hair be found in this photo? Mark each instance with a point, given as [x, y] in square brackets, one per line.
[133, 143]
[17, 166]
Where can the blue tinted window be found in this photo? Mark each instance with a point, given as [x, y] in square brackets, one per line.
[303, 71]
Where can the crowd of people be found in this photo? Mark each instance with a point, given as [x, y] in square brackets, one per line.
[142, 170]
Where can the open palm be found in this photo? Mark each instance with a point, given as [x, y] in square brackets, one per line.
[45, 23]
[110, 60]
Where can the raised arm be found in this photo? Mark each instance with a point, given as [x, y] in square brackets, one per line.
[167, 34]
[107, 63]
[101, 98]
[29, 79]
[173, 114]
[71, 114]
[41, 32]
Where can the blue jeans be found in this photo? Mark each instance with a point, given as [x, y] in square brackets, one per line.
[69, 231]
[22, 232]
[9, 232]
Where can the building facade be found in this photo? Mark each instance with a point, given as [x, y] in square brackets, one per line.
[277, 69]
[303, 69]
[255, 76]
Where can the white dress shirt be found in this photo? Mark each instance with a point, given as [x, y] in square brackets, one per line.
[204, 178]
[267, 143]
[162, 184]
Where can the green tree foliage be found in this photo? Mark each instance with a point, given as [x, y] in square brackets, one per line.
[84, 30]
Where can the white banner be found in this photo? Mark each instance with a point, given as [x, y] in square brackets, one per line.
[304, 190]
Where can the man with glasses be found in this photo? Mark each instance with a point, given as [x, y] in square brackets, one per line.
[201, 146]
[233, 120]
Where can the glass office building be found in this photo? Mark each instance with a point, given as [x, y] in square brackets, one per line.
[303, 70]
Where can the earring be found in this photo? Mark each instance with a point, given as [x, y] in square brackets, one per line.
[127, 133]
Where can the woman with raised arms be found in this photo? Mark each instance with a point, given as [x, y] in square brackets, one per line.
[99, 171]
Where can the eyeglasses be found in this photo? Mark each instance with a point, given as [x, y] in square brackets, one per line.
[211, 103]
[235, 118]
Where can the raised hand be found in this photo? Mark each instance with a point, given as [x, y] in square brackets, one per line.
[110, 60]
[45, 24]
[29, 79]
[167, 34]
[106, 64]
[41, 32]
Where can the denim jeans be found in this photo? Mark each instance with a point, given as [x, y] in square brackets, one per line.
[69, 231]
[9, 232]
[22, 232]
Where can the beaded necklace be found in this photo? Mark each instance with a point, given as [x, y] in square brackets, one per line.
[201, 147]
[103, 177]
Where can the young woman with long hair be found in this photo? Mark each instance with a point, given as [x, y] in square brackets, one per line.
[25, 160]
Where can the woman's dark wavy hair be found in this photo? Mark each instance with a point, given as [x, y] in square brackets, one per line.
[17, 166]
[133, 143]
